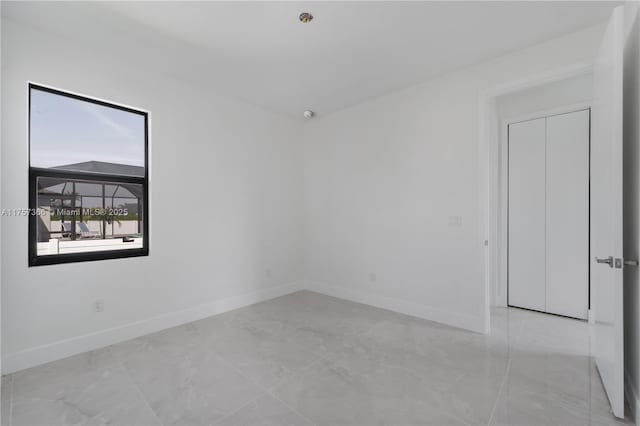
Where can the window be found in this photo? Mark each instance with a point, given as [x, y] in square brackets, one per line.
[88, 179]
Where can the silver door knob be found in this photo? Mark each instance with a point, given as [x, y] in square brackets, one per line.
[607, 260]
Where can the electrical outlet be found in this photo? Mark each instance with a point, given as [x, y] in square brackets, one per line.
[267, 273]
[98, 305]
[372, 277]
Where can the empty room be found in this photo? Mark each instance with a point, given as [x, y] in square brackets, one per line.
[320, 213]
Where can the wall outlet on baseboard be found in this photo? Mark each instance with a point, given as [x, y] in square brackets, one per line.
[373, 277]
[98, 305]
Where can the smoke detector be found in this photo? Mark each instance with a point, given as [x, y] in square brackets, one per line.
[308, 114]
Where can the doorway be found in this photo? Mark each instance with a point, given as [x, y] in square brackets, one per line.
[606, 234]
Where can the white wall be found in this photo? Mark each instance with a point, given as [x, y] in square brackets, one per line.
[569, 91]
[631, 196]
[235, 167]
[393, 190]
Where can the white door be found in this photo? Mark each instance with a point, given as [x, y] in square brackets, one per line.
[526, 274]
[606, 213]
[549, 214]
[567, 171]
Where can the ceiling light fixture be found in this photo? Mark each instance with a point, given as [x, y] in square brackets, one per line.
[305, 17]
[308, 114]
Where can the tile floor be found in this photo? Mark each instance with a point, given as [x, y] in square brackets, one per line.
[308, 359]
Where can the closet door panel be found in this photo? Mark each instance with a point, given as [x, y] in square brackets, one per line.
[568, 214]
[526, 273]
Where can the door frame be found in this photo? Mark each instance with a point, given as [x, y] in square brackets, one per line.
[489, 188]
[501, 284]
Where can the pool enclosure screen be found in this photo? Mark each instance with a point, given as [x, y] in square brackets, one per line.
[87, 179]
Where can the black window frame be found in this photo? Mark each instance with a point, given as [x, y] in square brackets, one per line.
[36, 172]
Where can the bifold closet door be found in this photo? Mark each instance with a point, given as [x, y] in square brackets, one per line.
[527, 215]
[568, 214]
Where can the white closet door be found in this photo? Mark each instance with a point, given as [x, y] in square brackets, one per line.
[568, 214]
[527, 243]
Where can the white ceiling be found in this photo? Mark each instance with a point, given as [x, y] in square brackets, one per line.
[351, 51]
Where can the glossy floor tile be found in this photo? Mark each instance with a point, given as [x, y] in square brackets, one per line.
[305, 359]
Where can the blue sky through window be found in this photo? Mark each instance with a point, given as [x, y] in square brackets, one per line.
[65, 131]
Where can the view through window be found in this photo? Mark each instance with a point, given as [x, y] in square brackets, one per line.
[87, 179]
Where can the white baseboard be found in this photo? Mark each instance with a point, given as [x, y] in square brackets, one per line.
[631, 393]
[454, 319]
[31, 357]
